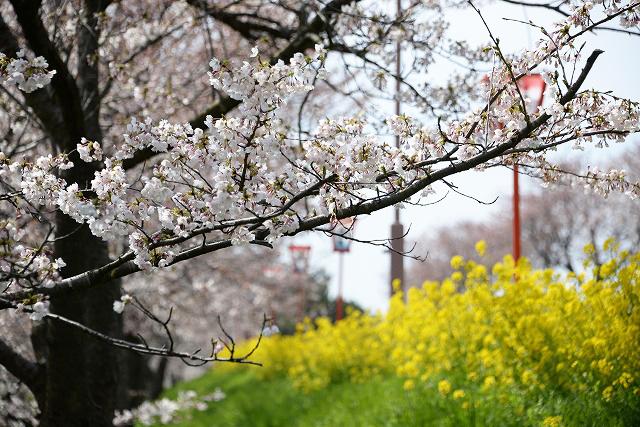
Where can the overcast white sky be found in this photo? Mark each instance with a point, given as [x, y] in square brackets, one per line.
[367, 267]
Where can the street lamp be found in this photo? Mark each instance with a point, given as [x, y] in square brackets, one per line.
[343, 229]
[532, 86]
[300, 266]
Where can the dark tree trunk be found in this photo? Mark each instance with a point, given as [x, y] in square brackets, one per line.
[82, 372]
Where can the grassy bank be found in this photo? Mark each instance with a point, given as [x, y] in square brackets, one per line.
[251, 401]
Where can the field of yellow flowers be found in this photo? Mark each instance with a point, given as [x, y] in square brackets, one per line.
[512, 337]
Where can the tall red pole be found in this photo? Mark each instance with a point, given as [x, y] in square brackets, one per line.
[516, 214]
[339, 304]
[535, 82]
[302, 296]
[341, 245]
[300, 264]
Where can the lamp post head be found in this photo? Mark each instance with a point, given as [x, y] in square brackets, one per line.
[300, 258]
[532, 86]
[343, 230]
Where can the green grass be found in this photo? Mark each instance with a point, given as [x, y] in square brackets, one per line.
[380, 402]
[251, 402]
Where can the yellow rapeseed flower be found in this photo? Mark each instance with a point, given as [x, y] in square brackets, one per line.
[589, 249]
[457, 262]
[458, 394]
[489, 382]
[456, 276]
[555, 421]
[444, 387]
[625, 380]
[409, 385]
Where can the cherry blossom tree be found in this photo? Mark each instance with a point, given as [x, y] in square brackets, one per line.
[123, 155]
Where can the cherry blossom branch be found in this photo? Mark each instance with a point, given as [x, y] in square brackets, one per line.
[558, 9]
[305, 39]
[384, 243]
[125, 266]
[386, 201]
[141, 348]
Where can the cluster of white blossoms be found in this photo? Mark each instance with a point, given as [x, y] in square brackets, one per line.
[89, 151]
[243, 176]
[118, 305]
[28, 74]
[270, 330]
[20, 261]
[605, 182]
[37, 311]
[166, 411]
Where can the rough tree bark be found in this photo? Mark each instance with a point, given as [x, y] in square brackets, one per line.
[82, 373]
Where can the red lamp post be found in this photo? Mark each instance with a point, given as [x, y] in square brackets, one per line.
[300, 266]
[533, 85]
[341, 245]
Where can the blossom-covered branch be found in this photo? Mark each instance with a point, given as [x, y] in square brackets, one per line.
[358, 168]
[27, 74]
